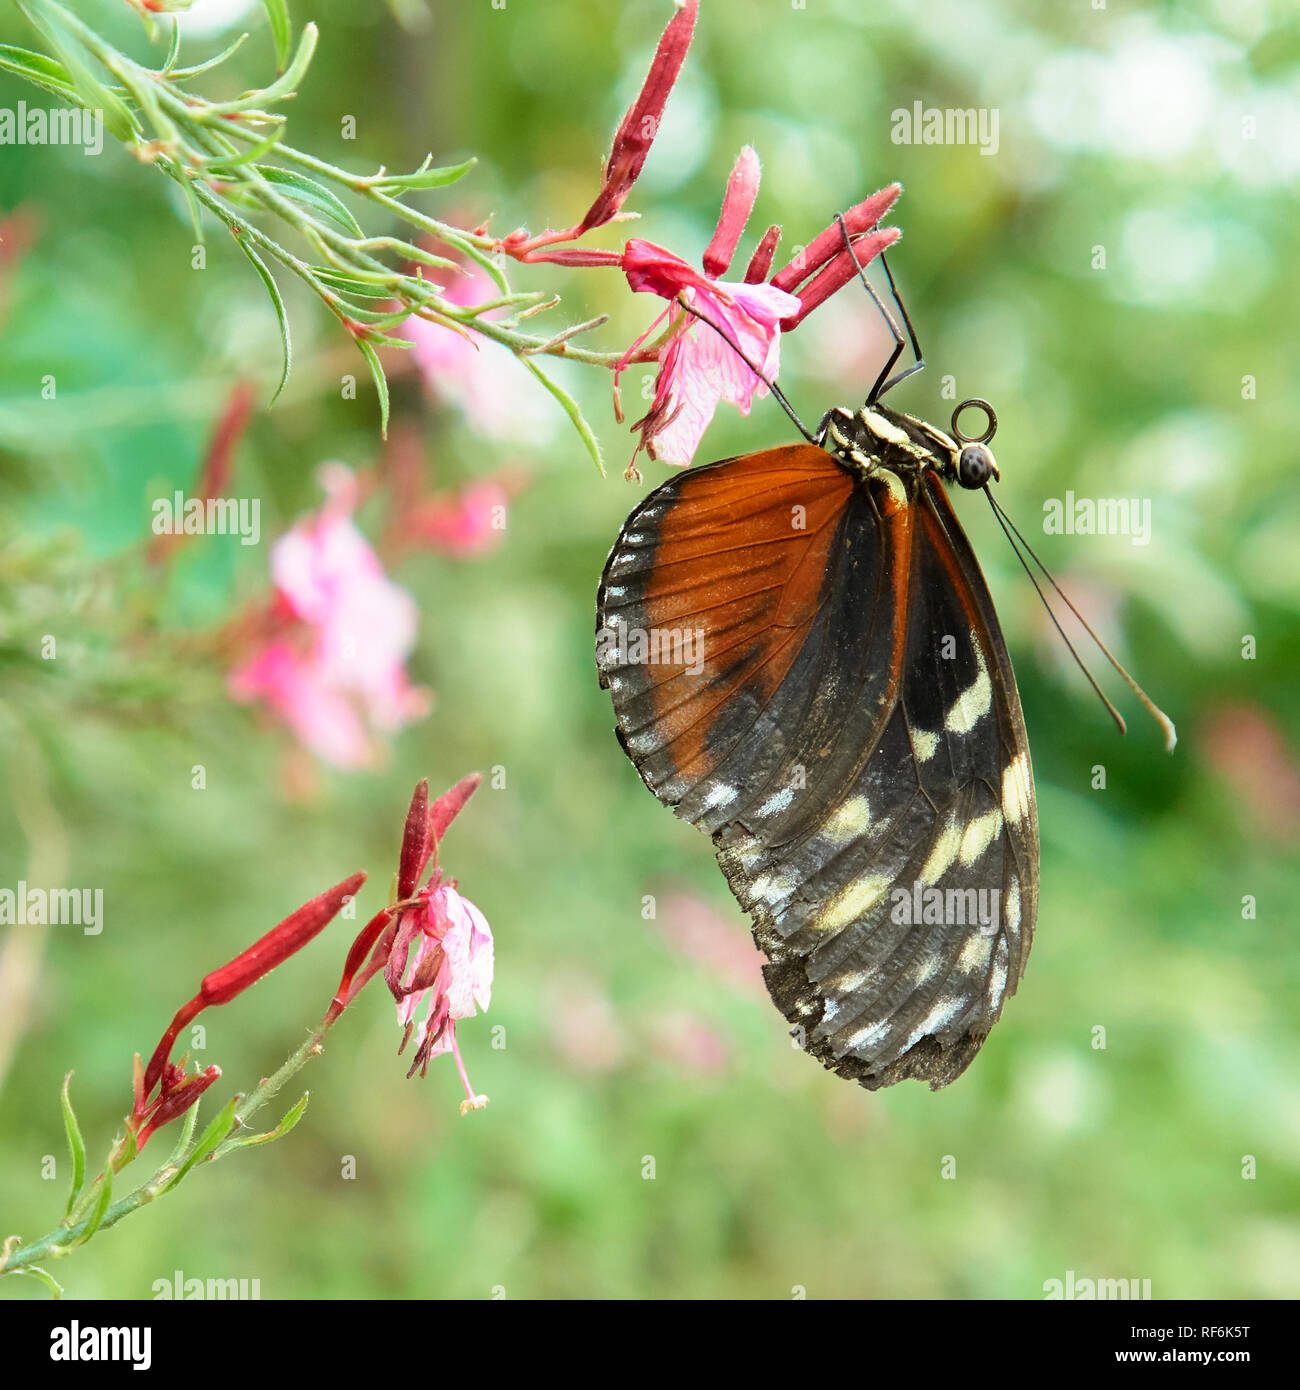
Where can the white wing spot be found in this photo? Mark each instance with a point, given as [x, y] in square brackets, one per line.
[926, 745]
[848, 820]
[978, 835]
[975, 954]
[943, 1012]
[777, 802]
[772, 887]
[864, 1037]
[850, 980]
[1015, 789]
[998, 979]
[925, 969]
[852, 901]
[973, 703]
[944, 852]
[720, 795]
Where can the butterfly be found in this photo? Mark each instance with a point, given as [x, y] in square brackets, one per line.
[805, 663]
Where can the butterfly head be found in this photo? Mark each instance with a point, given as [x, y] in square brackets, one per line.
[974, 465]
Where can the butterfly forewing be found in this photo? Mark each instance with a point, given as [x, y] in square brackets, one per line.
[805, 663]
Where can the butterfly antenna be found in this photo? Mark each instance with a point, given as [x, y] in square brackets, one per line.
[1161, 718]
[736, 348]
[884, 382]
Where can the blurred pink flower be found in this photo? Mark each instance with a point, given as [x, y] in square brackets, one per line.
[334, 668]
[584, 1026]
[497, 394]
[1247, 748]
[464, 523]
[708, 937]
[685, 1041]
[449, 972]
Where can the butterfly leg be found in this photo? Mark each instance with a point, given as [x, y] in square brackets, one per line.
[884, 382]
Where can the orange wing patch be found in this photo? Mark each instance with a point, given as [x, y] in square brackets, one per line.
[713, 585]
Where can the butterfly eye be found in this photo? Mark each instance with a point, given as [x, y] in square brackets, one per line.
[975, 466]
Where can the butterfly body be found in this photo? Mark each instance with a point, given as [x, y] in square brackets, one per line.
[806, 664]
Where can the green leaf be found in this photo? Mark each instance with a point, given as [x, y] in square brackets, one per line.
[291, 1118]
[298, 188]
[76, 1146]
[91, 92]
[353, 284]
[571, 409]
[384, 340]
[424, 177]
[381, 382]
[196, 216]
[222, 164]
[274, 291]
[277, 13]
[393, 318]
[284, 87]
[221, 1125]
[37, 68]
[44, 1277]
[173, 50]
[208, 65]
[97, 1211]
[188, 1122]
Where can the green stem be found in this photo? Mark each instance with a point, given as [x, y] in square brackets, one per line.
[65, 1237]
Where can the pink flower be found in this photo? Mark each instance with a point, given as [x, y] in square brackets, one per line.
[698, 368]
[448, 974]
[682, 1039]
[704, 934]
[702, 364]
[583, 1022]
[335, 669]
[463, 524]
[497, 394]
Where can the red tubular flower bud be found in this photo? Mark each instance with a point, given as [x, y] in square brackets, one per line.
[367, 937]
[249, 966]
[164, 1049]
[640, 125]
[761, 261]
[417, 843]
[574, 256]
[214, 475]
[825, 247]
[737, 204]
[177, 1101]
[217, 466]
[278, 944]
[838, 272]
[448, 805]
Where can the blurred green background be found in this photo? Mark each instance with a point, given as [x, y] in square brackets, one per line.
[1127, 129]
